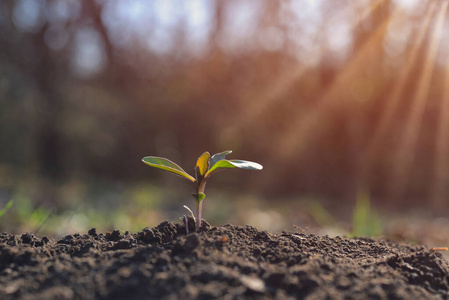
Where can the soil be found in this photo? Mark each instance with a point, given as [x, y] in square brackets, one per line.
[228, 262]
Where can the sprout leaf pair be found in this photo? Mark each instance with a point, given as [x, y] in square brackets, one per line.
[205, 167]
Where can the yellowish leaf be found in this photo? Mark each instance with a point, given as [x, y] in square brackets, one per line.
[202, 164]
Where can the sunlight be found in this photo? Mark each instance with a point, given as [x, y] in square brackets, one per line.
[391, 105]
[294, 141]
[267, 98]
[442, 148]
[406, 152]
[367, 10]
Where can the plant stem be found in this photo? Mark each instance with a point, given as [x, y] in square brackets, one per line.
[198, 216]
[199, 204]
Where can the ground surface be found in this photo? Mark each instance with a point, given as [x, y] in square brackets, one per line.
[229, 262]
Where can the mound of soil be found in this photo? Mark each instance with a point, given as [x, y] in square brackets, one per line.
[228, 262]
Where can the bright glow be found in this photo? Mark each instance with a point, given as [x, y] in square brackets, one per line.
[404, 158]
[28, 14]
[411, 5]
[58, 11]
[397, 37]
[240, 24]
[295, 140]
[89, 57]
[392, 103]
[442, 148]
[200, 23]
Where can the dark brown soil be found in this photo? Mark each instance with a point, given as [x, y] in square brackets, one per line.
[229, 262]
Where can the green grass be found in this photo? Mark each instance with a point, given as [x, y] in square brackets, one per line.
[365, 220]
[6, 208]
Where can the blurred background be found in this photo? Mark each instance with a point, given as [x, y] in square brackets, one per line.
[344, 103]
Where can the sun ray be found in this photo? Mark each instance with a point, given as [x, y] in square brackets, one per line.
[407, 149]
[391, 105]
[268, 97]
[442, 149]
[370, 8]
[293, 142]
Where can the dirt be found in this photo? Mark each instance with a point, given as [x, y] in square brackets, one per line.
[228, 262]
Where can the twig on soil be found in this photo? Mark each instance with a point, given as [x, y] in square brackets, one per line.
[191, 212]
[300, 229]
[436, 249]
[186, 220]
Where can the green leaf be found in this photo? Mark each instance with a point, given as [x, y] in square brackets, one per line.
[218, 156]
[231, 164]
[167, 165]
[199, 197]
[202, 164]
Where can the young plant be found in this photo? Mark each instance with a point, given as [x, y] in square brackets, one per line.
[205, 167]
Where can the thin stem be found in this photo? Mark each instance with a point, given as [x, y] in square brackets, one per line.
[199, 204]
[186, 220]
[202, 186]
[201, 213]
[198, 215]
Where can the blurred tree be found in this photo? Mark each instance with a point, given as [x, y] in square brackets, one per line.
[89, 87]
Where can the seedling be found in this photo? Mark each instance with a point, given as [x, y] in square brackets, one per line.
[186, 219]
[205, 167]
